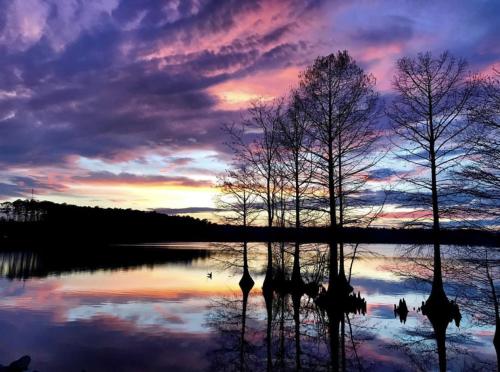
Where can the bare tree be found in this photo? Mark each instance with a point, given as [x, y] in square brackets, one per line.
[340, 101]
[296, 157]
[239, 206]
[479, 177]
[428, 117]
[256, 144]
[236, 199]
[297, 166]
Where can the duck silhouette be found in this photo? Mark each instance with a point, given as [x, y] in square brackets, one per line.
[209, 275]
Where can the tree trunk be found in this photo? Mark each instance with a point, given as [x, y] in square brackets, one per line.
[496, 337]
[437, 293]
[269, 272]
[245, 259]
[344, 286]
[296, 277]
[333, 222]
[341, 220]
[333, 328]
[243, 326]
[268, 297]
[296, 318]
[331, 189]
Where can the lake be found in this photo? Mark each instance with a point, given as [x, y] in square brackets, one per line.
[154, 308]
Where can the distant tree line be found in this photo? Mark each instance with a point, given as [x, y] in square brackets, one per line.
[44, 221]
[31, 210]
[22, 211]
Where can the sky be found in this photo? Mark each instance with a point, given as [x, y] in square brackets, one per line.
[119, 103]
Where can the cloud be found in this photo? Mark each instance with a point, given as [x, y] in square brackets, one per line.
[173, 211]
[24, 23]
[393, 29]
[108, 178]
[8, 190]
[379, 174]
[59, 23]
[95, 97]
[23, 186]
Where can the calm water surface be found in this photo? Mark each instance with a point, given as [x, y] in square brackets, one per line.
[163, 313]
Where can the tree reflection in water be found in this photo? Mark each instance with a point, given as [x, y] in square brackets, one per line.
[468, 280]
[302, 329]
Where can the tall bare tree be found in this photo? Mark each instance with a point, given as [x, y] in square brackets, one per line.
[239, 206]
[236, 199]
[341, 102]
[479, 177]
[297, 166]
[479, 180]
[428, 116]
[256, 144]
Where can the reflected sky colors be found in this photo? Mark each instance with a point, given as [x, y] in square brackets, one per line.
[120, 103]
[162, 316]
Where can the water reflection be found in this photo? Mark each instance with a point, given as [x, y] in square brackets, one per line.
[228, 318]
[437, 308]
[160, 313]
[44, 262]
[401, 311]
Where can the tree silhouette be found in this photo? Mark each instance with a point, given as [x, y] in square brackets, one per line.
[340, 101]
[236, 199]
[428, 116]
[261, 155]
[479, 177]
[297, 166]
